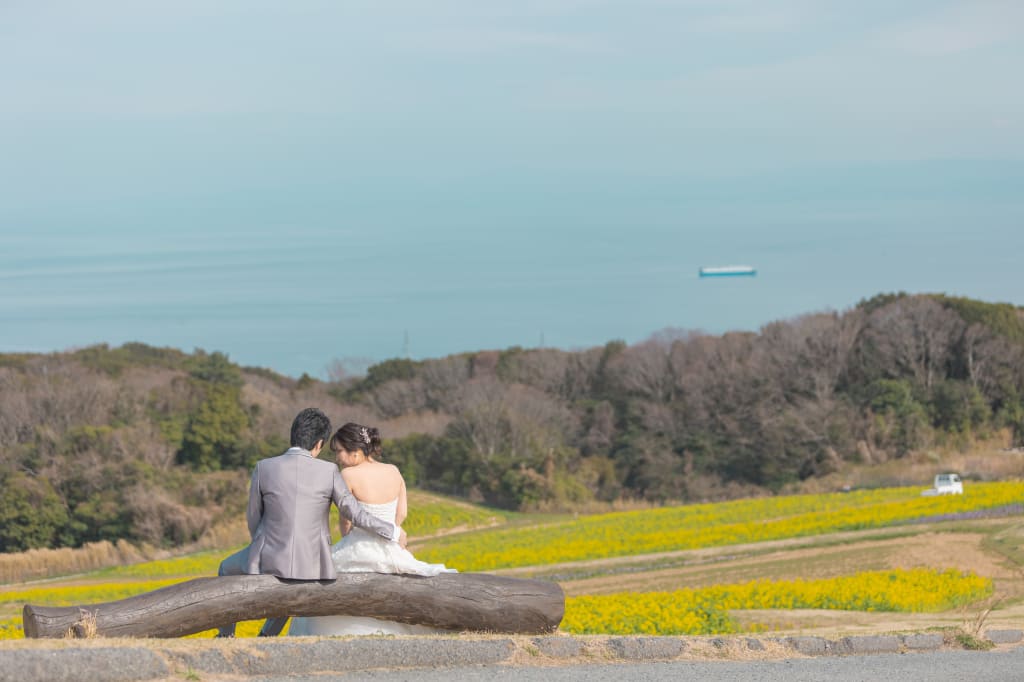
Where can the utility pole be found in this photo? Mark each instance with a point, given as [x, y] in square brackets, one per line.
[405, 345]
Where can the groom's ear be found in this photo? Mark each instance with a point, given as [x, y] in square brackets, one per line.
[317, 448]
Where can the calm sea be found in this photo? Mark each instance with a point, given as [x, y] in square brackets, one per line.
[564, 269]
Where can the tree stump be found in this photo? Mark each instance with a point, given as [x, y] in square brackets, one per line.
[450, 601]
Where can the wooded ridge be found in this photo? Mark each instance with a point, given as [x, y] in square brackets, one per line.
[154, 444]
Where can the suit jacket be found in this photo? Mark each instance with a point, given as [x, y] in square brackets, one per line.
[290, 500]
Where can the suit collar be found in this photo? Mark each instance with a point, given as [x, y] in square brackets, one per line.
[295, 450]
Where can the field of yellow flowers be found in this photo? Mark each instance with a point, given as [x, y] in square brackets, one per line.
[707, 525]
[704, 611]
[700, 610]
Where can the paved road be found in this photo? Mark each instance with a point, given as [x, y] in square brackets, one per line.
[943, 666]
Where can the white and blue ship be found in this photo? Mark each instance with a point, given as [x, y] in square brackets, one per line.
[728, 271]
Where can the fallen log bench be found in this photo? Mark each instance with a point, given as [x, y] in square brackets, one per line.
[450, 601]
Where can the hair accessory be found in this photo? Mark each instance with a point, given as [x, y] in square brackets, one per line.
[365, 433]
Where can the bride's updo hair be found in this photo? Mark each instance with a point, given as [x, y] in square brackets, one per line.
[352, 437]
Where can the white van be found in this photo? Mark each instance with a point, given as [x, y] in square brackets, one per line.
[946, 484]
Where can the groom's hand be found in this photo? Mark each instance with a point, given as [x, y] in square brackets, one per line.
[402, 539]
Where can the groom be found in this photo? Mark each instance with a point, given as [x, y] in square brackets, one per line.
[289, 501]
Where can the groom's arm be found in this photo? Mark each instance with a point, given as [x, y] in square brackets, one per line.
[348, 507]
[254, 513]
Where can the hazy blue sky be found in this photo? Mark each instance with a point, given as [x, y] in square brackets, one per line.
[291, 182]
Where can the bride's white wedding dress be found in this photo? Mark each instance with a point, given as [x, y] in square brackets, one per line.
[364, 552]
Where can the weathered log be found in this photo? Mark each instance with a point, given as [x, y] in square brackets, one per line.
[451, 601]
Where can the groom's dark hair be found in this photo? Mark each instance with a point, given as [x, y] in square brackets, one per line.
[310, 425]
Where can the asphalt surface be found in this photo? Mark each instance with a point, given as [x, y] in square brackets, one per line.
[942, 666]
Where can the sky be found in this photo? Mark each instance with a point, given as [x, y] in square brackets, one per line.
[297, 183]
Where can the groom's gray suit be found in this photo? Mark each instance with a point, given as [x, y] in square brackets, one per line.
[290, 500]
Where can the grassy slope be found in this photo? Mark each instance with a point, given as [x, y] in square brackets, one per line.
[434, 515]
[707, 525]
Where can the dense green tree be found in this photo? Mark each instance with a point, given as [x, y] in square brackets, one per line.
[958, 406]
[440, 463]
[1002, 318]
[215, 431]
[31, 513]
[114, 361]
[397, 369]
[1011, 416]
[252, 451]
[902, 421]
[100, 516]
[892, 395]
[215, 368]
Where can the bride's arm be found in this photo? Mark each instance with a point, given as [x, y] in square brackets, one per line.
[403, 503]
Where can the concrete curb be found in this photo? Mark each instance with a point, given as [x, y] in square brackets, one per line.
[68, 660]
[1004, 636]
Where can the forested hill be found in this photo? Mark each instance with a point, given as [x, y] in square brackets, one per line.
[154, 445]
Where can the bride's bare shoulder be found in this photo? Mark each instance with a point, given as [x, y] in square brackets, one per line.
[377, 471]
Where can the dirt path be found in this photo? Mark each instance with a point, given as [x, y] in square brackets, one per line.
[726, 552]
[420, 540]
[961, 551]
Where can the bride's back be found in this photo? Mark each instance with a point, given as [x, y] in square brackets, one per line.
[374, 482]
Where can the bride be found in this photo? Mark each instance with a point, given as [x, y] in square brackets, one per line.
[380, 489]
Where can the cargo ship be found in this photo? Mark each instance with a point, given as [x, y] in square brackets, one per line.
[728, 271]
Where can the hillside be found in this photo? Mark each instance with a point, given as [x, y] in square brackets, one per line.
[153, 445]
